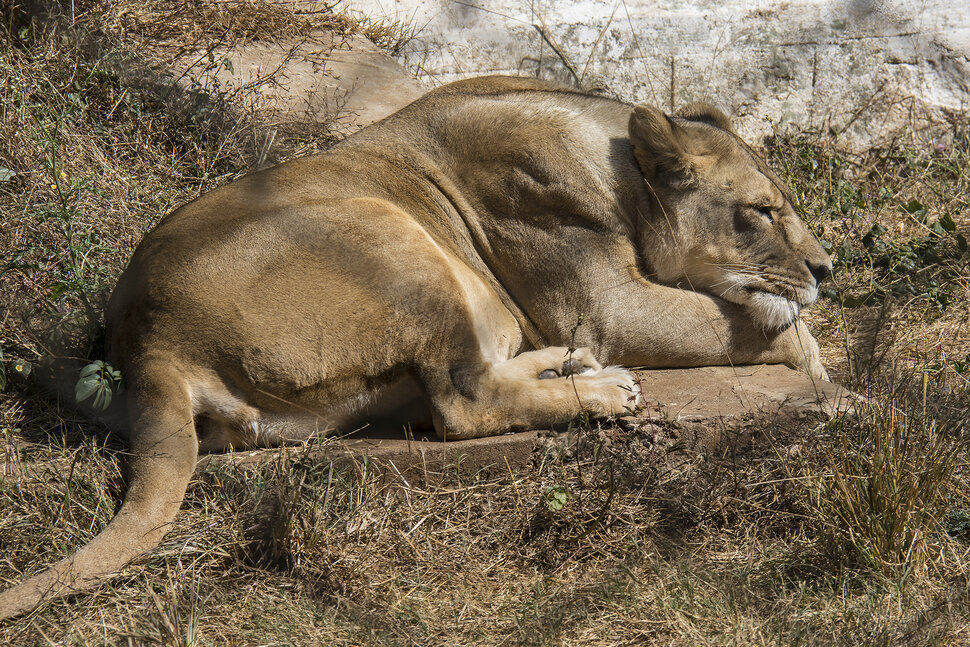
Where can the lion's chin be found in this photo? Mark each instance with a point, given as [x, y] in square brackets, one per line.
[771, 311]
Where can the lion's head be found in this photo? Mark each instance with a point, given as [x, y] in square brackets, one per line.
[723, 223]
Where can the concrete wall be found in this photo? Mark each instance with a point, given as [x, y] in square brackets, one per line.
[870, 69]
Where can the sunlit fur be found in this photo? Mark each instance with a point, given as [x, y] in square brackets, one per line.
[772, 312]
[727, 225]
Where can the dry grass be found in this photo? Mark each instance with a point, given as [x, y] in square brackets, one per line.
[235, 21]
[197, 23]
[723, 551]
[886, 492]
[852, 532]
[101, 149]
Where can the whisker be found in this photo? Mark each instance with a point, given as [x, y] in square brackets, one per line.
[730, 282]
[738, 264]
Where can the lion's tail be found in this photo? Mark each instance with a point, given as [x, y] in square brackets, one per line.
[164, 452]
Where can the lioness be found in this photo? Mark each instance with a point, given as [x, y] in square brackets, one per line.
[445, 255]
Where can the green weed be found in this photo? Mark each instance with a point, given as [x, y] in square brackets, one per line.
[70, 251]
[864, 221]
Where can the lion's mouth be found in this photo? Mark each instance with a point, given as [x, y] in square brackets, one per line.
[773, 305]
[772, 311]
[776, 309]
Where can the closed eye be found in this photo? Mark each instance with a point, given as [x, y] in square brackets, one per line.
[765, 211]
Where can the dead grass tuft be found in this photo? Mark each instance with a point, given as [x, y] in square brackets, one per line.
[889, 484]
[198, 24]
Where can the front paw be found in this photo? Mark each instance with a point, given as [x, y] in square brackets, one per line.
[803, 352]
[817, 371]
[612, 391]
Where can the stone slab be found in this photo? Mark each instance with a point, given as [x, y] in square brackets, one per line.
[699, 408]
[718, 392]
[419, 460]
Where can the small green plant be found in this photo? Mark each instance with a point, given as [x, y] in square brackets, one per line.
[100, 380]
[962, 370]
[925, 265]
[957, 523]
[18, 367]
[64, 247]
[556, 497]
[77, 274]
[21, 368]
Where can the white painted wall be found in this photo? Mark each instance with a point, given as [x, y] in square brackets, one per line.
[876, 66]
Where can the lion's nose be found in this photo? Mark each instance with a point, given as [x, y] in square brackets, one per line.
[819, 271]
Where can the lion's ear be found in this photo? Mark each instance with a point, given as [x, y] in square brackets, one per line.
[657, 144]
[706, 113]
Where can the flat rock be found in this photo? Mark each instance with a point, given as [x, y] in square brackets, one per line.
[719, 392]
[699, 408]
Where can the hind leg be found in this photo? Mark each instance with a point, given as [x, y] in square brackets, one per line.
[476, 398]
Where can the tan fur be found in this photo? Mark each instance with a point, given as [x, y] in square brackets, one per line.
[422, 259]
